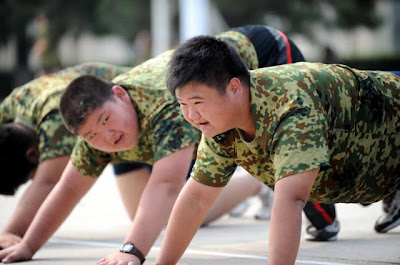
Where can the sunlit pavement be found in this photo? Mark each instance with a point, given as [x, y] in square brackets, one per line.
[98, 225]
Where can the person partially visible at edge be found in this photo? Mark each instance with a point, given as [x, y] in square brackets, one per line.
[311, 131]
[34, 143]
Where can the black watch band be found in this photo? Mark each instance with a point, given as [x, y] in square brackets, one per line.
[130, 248]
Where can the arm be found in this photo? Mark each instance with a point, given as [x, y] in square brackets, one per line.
[290, 195]
[166, 181]
[47, 175]
[55, 209]
[189, 212]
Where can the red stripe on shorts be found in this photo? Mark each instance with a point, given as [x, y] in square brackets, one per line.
[288, 51]
[323, 212]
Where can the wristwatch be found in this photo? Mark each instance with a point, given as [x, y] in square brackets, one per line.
[131, 249]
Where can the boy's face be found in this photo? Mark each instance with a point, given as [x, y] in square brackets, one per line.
[114, 126]
[206, 109]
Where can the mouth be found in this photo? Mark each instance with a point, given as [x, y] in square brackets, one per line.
[119, 139]
[202, 125]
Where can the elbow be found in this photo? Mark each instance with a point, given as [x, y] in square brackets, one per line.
[301, 203]
[173, 186]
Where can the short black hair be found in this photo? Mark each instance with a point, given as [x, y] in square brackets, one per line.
[15, 140]
[206, 60]
[81, 97]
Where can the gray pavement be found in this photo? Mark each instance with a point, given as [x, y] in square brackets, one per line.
[98, 225]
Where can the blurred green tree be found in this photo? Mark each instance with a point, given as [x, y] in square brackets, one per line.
[127, 17]
[297, 15]
[122, 17]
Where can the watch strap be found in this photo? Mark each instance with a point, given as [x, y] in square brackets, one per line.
[134, 251]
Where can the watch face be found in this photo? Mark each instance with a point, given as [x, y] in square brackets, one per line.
[127, 247]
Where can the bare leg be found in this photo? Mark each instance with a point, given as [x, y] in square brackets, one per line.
[131, 186]
[241, 186]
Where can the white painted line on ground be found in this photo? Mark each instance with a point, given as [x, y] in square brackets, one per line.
[191, 251]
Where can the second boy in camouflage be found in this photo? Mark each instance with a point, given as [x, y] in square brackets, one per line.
[163, 128]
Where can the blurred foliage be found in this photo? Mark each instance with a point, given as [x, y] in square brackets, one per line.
[127, 17]
[122, 17]
[298, 15]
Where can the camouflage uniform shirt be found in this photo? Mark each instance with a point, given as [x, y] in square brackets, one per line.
[307, 116]
[163, 130]
[36, 105]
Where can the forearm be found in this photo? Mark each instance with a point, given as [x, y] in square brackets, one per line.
[165, 183]
[187, 215]
[291, 194]
[27, 208]
[50, 216]
[46, 177]
[57, 206]
[152, 214]
[285, 229]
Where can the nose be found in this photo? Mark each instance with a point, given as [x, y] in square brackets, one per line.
[193, 113]
[109, 135]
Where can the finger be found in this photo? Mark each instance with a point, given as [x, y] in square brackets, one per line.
[102, 262]
[8, 259]
[113, 262]
[15, 256]
[4, 253]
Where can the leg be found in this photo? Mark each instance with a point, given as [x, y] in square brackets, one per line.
[131, 182]
[323, 223]
[233, 194]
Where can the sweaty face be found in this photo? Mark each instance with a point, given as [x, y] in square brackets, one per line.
[113, 127]
[206, 109]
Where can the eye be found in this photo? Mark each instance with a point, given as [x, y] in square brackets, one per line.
[106, 120]
[197, 103]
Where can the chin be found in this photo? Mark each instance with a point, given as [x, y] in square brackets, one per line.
[129, 145]
[209, 134]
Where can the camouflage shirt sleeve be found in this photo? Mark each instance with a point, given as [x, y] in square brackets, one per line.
[214, 166]
[54, 139]
[300, 140]
[88, 160]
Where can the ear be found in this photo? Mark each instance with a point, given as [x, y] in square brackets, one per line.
[32, 154]
[120, 93]
[235, 87]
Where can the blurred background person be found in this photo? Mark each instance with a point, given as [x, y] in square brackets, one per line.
[45, 48]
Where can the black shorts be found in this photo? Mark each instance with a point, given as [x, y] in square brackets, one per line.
[272, 46]
[126, 167]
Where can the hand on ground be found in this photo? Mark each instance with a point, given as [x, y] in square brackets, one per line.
[119, 258]
[19, 252]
